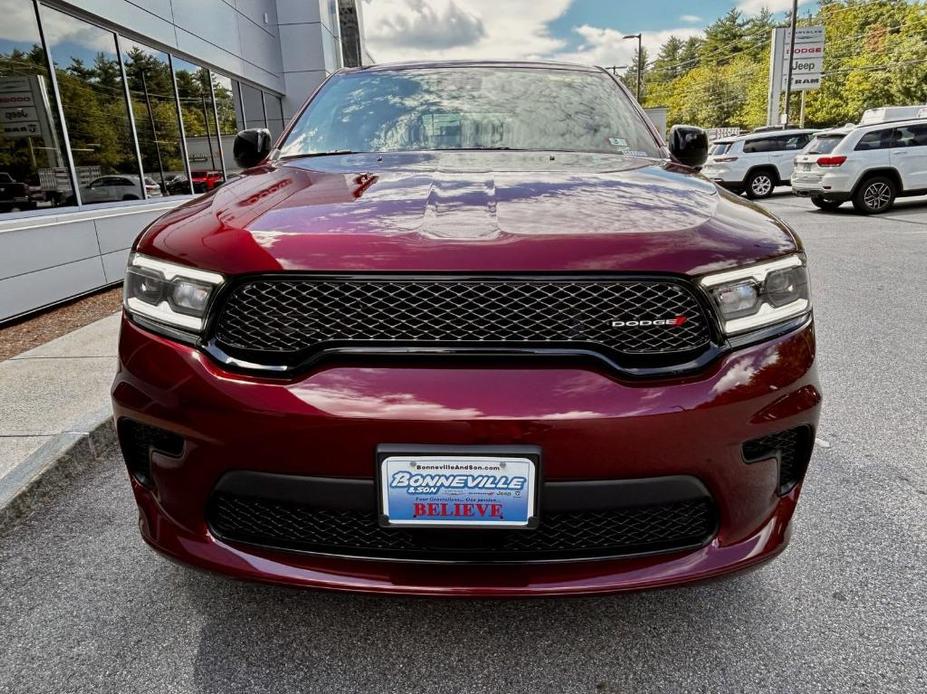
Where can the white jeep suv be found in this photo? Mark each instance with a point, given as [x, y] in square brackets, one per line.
[870, 165]
[756, 163]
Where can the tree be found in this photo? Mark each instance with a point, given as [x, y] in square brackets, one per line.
[151, 88]
[639, 62]
[106, 73]
[667, 65]
[724, 38]
[690, 54]
[875, 55]
[757, 32]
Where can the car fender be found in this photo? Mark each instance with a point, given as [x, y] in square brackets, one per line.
[887, 171]
[767, 166]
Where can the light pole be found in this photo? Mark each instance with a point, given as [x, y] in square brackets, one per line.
[640, 60]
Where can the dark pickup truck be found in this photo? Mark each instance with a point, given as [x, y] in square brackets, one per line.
[14, 194]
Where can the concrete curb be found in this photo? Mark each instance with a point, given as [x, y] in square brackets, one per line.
[55, 464]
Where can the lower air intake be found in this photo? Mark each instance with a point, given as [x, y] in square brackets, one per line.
[574, 535]
[792, 448]
[138, 440]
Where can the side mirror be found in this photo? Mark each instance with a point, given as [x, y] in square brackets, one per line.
[251, 147]
[688, 145]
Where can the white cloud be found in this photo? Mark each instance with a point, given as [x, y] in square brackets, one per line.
[690, 19]
[482, 29]
[19, 23]
[19, 26]
[63, 28]
[487, 29]
[753, 7]
[608, 47]
[423, 26]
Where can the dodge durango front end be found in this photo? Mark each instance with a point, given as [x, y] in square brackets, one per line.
[468, 329]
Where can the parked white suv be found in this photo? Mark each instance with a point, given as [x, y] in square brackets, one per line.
[756, 163]
[870, 165]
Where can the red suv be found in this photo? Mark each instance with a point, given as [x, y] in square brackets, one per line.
[468, 329]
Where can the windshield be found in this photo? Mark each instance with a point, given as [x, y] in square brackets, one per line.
[824, 144]
[471, 108]
[719, 148]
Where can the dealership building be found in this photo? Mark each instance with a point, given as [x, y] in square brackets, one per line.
[114, 111]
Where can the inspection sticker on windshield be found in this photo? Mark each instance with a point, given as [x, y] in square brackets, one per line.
[618, 142]
[462, 491]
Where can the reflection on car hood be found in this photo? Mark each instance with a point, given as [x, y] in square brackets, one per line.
[468, 211]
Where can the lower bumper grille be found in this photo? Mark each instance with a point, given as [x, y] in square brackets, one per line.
[561, 535]
[138, 440]
[792, 448]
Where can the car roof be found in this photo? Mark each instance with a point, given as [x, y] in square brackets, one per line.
[893, 108]
[892, 124]
[833, 132]
[767, 133]
[421, 64]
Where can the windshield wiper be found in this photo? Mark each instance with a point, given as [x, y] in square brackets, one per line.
[473, 149]
[330, 153]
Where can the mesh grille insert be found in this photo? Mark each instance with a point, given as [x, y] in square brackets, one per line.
[573, 535]
[294, 315]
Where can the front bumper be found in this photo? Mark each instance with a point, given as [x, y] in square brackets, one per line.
[590, 425]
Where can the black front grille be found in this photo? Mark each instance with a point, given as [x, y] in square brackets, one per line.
[792, 448]
[286, 316]
[563, 535]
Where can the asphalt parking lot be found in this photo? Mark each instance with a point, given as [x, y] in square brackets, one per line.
[86, 607]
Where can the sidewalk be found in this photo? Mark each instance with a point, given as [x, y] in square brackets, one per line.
[51, 390]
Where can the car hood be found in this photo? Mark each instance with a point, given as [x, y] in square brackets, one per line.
[468, 211]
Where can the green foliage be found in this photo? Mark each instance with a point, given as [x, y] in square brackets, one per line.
[667, 65]
[723, 38]
[875, 55]
[93, 100]
[154, 109]
[690, 52]
[94, 108]
[630, 76]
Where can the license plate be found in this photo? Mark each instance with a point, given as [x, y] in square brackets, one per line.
[465, 491]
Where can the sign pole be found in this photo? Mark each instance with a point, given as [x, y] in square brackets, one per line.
[775, 76]
[788, 84]
[801, 115]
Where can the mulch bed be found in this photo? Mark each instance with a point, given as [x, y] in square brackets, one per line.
[40, 328]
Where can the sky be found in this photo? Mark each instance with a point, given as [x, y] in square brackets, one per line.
[584, 31]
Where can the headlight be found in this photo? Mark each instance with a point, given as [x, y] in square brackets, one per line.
[168, 294]
[760, 295]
